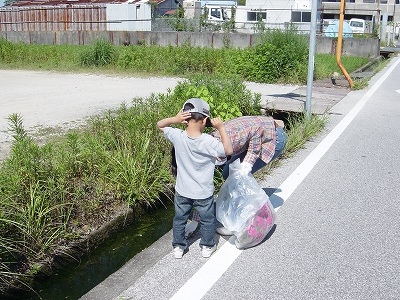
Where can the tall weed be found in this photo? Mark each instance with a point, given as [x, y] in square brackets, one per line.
[101, 53]
[280, 56]
[228, 90]
[301, 130]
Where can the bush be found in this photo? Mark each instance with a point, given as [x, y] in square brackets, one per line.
[101, 53]
[280, 56]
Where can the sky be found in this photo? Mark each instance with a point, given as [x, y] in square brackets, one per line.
[1, 3]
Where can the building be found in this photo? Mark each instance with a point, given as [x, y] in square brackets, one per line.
[298, 12]
[83, 15]
[141, 15]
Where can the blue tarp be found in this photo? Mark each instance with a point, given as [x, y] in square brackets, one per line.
[333, 30]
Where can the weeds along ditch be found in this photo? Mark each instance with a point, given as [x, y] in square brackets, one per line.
[279, 57]
[80, 276]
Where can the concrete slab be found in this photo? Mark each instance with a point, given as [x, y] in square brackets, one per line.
[292, 98]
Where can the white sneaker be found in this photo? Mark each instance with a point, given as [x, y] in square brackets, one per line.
[207, 251]
[190, 228]
[178, 252]
[224, 231]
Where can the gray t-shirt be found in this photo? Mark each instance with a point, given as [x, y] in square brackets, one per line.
[195, 160]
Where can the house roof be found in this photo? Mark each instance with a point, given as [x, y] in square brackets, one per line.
[170, 12]
[26, 3]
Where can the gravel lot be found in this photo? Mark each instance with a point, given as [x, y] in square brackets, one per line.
[50, 99]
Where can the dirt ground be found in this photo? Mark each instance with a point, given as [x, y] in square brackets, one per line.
[60, 100]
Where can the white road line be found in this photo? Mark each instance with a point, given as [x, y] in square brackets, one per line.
[202, 281]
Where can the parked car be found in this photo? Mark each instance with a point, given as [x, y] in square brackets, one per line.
[358, 25]
[333, 30]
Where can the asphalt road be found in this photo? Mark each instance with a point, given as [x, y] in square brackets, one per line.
[337, 232]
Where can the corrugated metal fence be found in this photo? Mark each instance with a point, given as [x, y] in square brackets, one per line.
[54, 18]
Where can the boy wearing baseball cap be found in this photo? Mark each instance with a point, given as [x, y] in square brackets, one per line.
[196, 153]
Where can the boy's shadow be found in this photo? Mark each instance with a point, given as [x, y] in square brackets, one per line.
[196, 236]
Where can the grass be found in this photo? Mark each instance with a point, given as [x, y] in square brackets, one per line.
[326, 64]
[69, 187]
[280, 57]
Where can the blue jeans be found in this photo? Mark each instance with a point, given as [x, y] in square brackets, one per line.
[281, 139]
[205, 208]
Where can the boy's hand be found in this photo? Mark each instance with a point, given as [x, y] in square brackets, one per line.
[217, 123]
[182, 116]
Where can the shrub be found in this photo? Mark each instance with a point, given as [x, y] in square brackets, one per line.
[280, 56]
[101, 53]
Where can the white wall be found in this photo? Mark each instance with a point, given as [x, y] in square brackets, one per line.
[278, 11]
[127, 16]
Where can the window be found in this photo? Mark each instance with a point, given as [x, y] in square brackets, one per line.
[215, 12]
[301, 16]
[255, 15]
[306, 16]
[296, 16]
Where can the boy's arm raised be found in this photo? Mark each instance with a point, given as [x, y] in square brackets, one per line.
[226, 142]
[181, 117]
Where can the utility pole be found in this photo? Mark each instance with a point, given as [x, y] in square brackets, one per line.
[311, 53]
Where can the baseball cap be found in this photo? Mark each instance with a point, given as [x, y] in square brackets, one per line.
[200, 106]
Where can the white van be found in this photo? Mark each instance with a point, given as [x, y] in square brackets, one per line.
[358, 25]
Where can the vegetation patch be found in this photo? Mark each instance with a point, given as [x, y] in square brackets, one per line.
[277, 57]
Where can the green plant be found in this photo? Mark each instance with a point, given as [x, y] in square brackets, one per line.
[6, 49]
[219, 108]
[229, 25]
[177, 21]
[227, 96]
[253, 63]
[326, 64]
[280, 56]
[100, 54]
[260, 25]
[226, 41]
[301, 129]
[360, 84]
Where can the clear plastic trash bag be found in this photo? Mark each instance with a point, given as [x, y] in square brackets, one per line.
[244, 208]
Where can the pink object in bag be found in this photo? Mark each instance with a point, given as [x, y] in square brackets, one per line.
[257, 229]
[244, 208]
